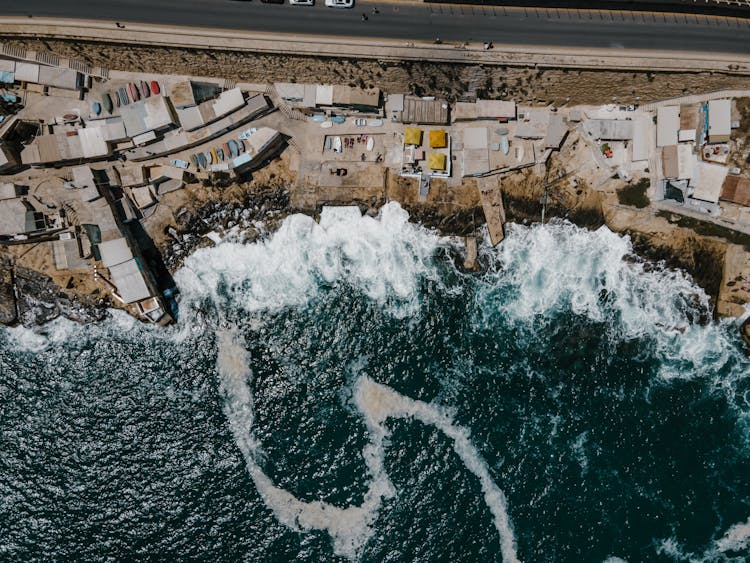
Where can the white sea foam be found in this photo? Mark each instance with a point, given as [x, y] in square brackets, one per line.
[733, 543]
[350, 527]
[736, 538]
[559, 265]
[546, 268]
[384, 257]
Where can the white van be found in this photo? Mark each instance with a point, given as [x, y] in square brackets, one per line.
[340, 3]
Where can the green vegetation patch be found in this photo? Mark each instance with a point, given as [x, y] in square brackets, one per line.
[635, 194]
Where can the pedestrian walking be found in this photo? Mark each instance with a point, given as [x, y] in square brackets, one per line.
[364, 17]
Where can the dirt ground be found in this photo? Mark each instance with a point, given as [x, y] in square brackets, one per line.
[453, 81]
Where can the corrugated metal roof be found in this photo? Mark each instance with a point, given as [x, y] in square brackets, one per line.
[56, 77]
[556, 131]
[27, 72]
[15, 217]
[736, 189]
[496, 108]
[92, 142]
[428, 112]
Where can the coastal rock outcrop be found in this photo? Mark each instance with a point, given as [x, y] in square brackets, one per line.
[40, 300]
[8, 314]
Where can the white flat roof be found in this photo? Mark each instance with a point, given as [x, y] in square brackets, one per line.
[685, 161]
[114, 252]
[641, 138]
[228, 101]
[129, 281]
[609, 129]
[719, 117]
[667, 125]
[686, 135]
[324, 95]
[92, 142]
[27, 72]
[475, 138]
[708, 179]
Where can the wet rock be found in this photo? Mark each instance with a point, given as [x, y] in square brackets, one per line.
[40, 300]
[745, 332]
[8, 315]
[268, 205]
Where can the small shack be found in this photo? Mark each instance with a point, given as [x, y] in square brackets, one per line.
[427, 111]
[438, 139]
[436, 161]
[412, 136]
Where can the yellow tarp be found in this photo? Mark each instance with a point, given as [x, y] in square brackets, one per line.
[436, 161]
[438, 139]
[412, 136]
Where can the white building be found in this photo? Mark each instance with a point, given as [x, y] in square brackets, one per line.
[719, 121]
[667, 125]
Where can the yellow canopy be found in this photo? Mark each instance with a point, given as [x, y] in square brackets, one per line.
[438, 139]
[436, 161]
[412, 136]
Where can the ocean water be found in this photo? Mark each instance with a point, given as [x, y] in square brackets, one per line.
[342, 391]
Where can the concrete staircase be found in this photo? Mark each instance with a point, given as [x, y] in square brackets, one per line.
[284, 108]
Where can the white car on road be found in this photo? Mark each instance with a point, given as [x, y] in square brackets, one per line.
[302, 2]
[340, 3]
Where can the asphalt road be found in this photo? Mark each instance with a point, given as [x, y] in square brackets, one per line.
[678, 32]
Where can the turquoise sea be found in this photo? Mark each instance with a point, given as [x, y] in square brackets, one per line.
[342, 391]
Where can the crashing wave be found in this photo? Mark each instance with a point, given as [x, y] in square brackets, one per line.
[384, 257]
[542, 270]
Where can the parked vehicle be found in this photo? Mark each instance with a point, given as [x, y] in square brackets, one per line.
[340, 3]
[302, 2]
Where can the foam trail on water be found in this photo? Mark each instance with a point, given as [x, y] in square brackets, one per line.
[735, 541]
[351, 527]
[378, 403]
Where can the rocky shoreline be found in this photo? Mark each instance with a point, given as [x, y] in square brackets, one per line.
[32, 299]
